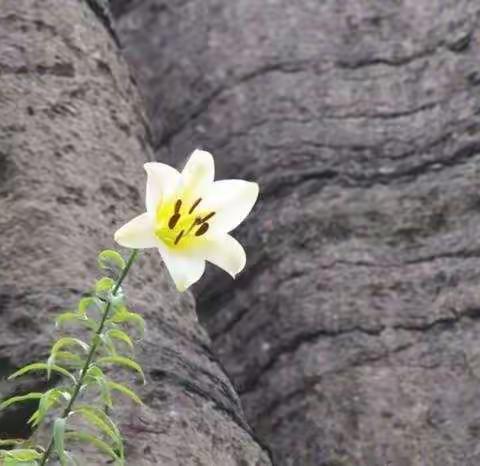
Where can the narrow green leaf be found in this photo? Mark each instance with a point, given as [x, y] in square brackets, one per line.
[88, 303]
[59, 439]
[33, 420]
[17, 399]
[67, 316]
[125, 390]
[37, 366]
[124, 316]
[111, 261]
[69, 358]
[48, 400]
[14, 462]
[108, 344]
[69, 341]
[94, 372]
[100, 420]
[92, 439]
[75, 317]
[95, 375]
[122, 361]
[12, 442]
[104, 287]
[121, 336]
[63, 342]
[50, 363]
[23, 454]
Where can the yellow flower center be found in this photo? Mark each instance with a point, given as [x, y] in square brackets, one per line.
[178, 224]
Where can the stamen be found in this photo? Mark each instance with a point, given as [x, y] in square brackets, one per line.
[178, 205]
[195, 205]
[179, 236]
[197, 221]
[173, 221]
[207, 217]
[176, 215]
[202, 230]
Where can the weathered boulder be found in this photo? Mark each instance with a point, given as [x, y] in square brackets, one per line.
[353, 334]
[73, 140]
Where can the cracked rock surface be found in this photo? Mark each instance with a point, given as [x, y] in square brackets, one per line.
[353, 334]
[72, 143]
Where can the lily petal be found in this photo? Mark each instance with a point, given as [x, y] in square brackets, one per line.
[162, 181]
[184, 269]
[137, 233]
[225, 252]
[231, 200]
[198, 173]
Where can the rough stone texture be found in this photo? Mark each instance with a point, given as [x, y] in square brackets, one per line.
[353, 335]
[72, 143]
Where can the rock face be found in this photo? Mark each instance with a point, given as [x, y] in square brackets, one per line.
[352, 336]
[72, 143]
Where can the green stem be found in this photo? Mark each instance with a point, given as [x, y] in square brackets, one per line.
[93, 348]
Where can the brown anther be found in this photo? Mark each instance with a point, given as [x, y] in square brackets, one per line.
[178, 205]
[202, 230]
[173, 221]
[207, 217]
[178, 238]
[194, 205]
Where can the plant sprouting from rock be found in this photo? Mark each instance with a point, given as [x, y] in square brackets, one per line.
[78, 407]
[188, 218]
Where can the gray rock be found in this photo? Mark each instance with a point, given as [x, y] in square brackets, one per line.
[353, 334]
[73, 138]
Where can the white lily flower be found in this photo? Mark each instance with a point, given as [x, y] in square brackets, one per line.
[189, 217]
